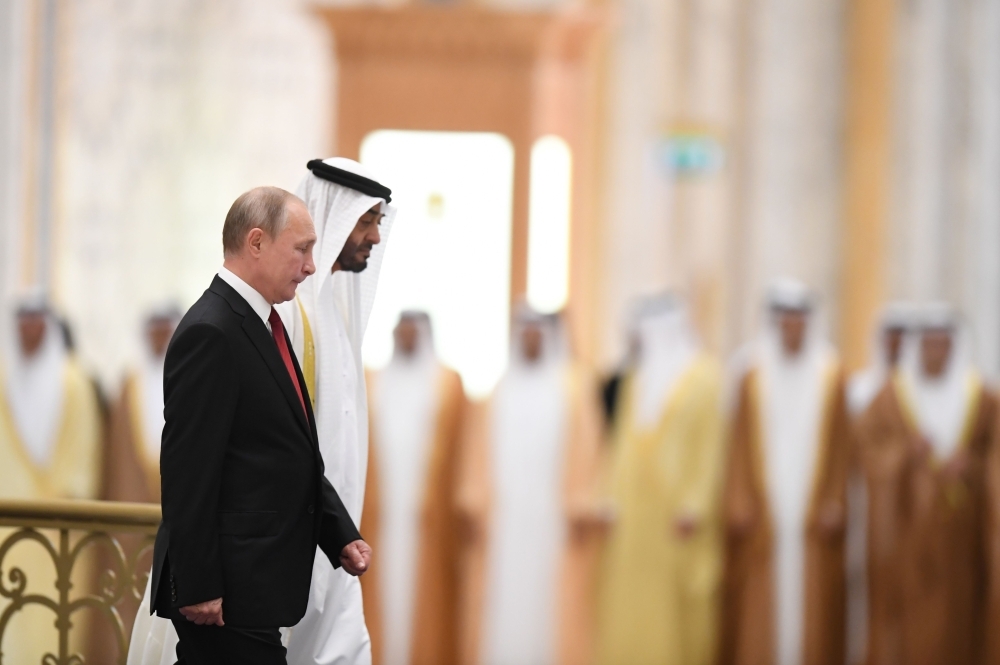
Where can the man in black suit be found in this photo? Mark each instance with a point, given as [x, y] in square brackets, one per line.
[245, 500]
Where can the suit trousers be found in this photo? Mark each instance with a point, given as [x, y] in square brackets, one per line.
[226, 645]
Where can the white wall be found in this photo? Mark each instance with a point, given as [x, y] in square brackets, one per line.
[945, 229]
[171, 111]
[13, 69]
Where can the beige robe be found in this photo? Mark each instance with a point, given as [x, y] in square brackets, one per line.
[576, 601]
[73, 472]
[659, 592]
[929, 564]
[435, 611]
[748, 616]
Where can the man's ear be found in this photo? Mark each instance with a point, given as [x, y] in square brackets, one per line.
[254, 240]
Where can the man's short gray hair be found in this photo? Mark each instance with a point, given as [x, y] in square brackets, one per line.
[264, 208]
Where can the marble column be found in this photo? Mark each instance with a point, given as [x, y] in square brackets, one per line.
[946, 207]
[14, 45]
[639, 190]
[868, 169]
[705, 98]
[788, 205]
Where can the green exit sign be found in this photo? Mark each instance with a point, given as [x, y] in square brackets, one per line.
[692, 154]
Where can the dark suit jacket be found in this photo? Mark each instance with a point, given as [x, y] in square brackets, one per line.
[245, 501]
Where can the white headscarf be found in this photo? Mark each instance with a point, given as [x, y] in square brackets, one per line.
[792, 395]
[667, 347]
[866, 384]
[34, 384]
[940, 404]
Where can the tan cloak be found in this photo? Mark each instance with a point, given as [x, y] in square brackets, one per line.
[927, 559]
[575, 623]
[749, 614]
[435, 624]
[131, 473]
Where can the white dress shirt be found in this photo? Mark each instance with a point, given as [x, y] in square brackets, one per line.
[256, 301]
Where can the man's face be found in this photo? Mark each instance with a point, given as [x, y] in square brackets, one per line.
[407, 335]
[935, 349]
[531, 342]
[792, 325]
[286, 260]
[31, 330]
[893, 341]
[158, 334]
[357, 249]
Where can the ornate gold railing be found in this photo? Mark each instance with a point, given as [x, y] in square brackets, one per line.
[82, 539]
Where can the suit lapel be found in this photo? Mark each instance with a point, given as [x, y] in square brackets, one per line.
[257, 332]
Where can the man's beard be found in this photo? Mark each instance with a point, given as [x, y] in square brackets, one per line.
[349, 260]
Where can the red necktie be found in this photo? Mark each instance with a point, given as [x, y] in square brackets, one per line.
[278, 332]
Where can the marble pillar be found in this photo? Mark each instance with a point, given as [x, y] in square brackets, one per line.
[171, 111]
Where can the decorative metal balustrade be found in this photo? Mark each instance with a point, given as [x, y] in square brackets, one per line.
[100, 553]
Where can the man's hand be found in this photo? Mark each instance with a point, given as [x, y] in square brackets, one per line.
[356, 557]
[208, 613]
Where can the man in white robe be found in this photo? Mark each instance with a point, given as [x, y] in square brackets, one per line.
[527, 485]
[50, 446]
[326, 324]
[417, 407]
[784, 495]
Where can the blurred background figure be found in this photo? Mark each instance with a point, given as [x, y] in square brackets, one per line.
[785, 492]
[927, 445]
[131, 465]
[50, 441]
[661, 571]
[896, 320]
[528, 496]
[50, 448]
[132, 460]
[416, 407]
[611, 389]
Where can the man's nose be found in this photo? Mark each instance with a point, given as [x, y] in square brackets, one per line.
[375, 237]
[310, 267]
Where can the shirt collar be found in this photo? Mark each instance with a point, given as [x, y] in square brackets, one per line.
[256, 301]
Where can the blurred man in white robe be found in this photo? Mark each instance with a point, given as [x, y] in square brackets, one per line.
[417, 407]
[887, 345]
[326, 324]
[50, 448]
[49, 419]
[784, 496]
[527, 493]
